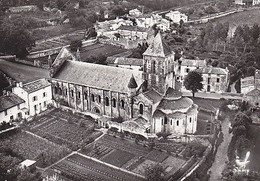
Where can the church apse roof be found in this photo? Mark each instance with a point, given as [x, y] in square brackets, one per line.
[158, 47]
[98, 76]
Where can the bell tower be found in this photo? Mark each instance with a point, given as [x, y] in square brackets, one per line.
[158, 65]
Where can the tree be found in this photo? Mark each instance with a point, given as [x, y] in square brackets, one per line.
[193, 82]
[15, 36]
[155, 173]
[75, 44]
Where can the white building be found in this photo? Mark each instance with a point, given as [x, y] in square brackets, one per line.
[135, 12]
[154, 19]
[255, 2]
[187, 65]
[176, 17]
[250, 83]
[11, 107]
[37, 95]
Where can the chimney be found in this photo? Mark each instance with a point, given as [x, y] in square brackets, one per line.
[78, 55]
[21, 84]
[49, 61]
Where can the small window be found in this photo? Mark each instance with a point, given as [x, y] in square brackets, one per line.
[65, 92]
[35, 107]
[5, 112]
[171, 122]
[162, 121]
[78, 95]
[177, 122]
[44, 104]
[141, 108]
[208, 80]
[99, 99]
[190, 119]
[165, 120]
[187, 70]
[92, 97]
[107, 101]
[86, 95]
[218, 80]
[12, 117]
[55, 90]
[34, 98]
[44, 94]
[72, 93]
[114, 102]
[122, 104]
[18, 106]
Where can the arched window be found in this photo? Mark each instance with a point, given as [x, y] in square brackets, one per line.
[190, 119]
[165, 120]
[123, 104]
[177, 122]
[60, 91]
[79, 95]
[154, 66]
[107, 101]
[92, 97]
[141, 108]
[65, 92]
[114, 102]
[99, 98]
[72, 93]
[86, 95]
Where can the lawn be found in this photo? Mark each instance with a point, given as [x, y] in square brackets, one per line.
[27, 146]
[118, 158]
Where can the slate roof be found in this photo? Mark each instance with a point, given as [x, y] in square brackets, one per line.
[181, 103]
[254, 92]
[99, 76]
[213, 70]
[36, 85]
[158, 47]
[172, 94]
[132, 83]
[9, 101]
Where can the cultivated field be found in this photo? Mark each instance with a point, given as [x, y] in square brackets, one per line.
[64, 128]
[27, 146]
[131, 156]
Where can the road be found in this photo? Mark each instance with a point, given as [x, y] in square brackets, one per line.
[21, 72]
[221, 156]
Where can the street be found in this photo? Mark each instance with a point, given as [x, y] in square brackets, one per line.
[221, 156]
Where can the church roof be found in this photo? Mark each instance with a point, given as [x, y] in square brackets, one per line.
[153, 95]
[172, 94]
[132, 83]
[158, 47]
[179, 104]
[99, 76]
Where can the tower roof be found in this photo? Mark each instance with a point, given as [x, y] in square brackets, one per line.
[172, 94]
[158, 47]
[132, 83]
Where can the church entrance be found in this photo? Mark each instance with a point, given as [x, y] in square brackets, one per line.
[96, 110]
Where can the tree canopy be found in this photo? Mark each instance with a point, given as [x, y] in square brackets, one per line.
[193, 82]
[155, 173]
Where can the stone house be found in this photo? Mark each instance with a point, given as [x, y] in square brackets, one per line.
[253, 97]
[177, 16]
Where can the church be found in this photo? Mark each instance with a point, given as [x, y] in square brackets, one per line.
[147, 101]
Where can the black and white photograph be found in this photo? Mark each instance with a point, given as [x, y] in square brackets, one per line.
[129, 90]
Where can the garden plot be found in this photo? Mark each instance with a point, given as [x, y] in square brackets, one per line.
[77, 167]
[28, 146]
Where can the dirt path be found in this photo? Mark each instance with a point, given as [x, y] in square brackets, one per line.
[221, 156]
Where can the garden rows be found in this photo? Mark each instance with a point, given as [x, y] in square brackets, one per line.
[99, 151]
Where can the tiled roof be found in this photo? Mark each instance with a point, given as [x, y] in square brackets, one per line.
[8, 101]
[181, 103]
[36, 85]
[128, 61]
[254, 92]
[99, 76]
[158, 47]
[213, 70]
[193, 63]
[132, 28]
[172, 94]
[132, 83]
[153, 95]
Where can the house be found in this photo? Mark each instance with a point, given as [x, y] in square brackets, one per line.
[31, 164]
[128, 63]
[253, 97]
[250, 83]
[256, 2]
[131, 95]
[215, 79]
[149, 21]
[186, 65]
[176, 17]
[11, 107]
[245, 2]
[133, 32]
[19, 9]
[36, 94]
[135, 13]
